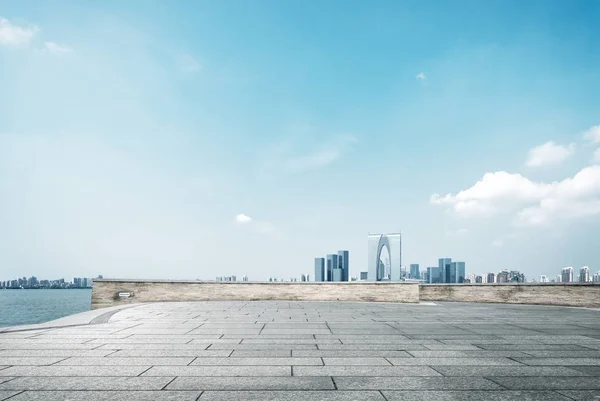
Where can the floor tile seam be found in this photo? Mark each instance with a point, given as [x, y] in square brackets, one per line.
[564, 395]
[14, 395]
[166, 385]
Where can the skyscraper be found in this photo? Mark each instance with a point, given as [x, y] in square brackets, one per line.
[332, 263]
[414, 271]
[319, 269]
[433, 275]
[584, 274]
[567, 275]
[343, 263]
[444, 270]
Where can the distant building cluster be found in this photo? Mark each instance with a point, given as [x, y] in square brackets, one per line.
[446, 271]
[32, 283]
[569, 275]
[335, 267]
[231, 278]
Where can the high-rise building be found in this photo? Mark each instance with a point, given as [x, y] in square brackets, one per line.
[584, 274]
[543, 279]
[567, 274]
[364, 276]
[596, 278]
[332, 263]
[502, 277]
[444, 269]
[343, 263]
[414, 271]
[338, 274]
[320, 269]
[479, 279]
[389, 246]
[491, 278]
[433, 275]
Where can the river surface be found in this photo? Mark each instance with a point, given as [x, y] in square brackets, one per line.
[38, 306]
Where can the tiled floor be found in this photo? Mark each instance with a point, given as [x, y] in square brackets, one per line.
[211, 351]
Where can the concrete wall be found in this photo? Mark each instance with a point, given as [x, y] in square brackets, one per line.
[106, 291]
[587, 295]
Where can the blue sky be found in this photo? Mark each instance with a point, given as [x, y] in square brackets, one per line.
[133, 135]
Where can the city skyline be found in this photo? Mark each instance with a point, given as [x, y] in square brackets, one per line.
[215, 135]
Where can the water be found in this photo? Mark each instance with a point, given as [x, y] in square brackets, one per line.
[37, 306]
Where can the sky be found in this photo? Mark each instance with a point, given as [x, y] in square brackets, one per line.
[195, 139]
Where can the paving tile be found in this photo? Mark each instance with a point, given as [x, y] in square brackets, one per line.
[33, 361]
[588, 370]
[5, 394]
[232, 361]
[61, 353]
[251, 383]
[473, 396]
[560, 361]
[364, 371]
[587, 395]
[531, 347]
[493, 371]
[542, 383]
[130, 361]
[292, 396]
[153, 353]
[107, 396]
[415, 383]
[263, 353]
[467, 354]
[71, 371]
[356, 361]
[563, 354]
[351, 353]
[454, 361]
[263, 346]
[219, 371]
[87, 383]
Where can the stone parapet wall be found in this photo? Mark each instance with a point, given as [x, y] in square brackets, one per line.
[583, 295]
[106, 291]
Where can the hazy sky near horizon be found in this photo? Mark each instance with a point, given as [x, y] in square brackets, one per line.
[191, 139]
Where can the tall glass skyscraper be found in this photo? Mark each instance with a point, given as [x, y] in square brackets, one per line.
[319, 269]
[343, 264]
[414, 271]
[332, 263]
[392, 243]
[444, 266]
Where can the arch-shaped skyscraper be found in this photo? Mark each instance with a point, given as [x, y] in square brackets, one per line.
[393, 243]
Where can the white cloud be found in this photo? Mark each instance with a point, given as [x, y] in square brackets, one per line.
[592, 134]
[531, 203]
[548, 154]
[243, 219]
[421, 76]
[13, 35]
[189, 64]
[57, 49]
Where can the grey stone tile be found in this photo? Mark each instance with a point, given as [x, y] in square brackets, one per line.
[563, 354]
[140, 346]
[263, 346]
[219, 371]
[415, 383]
[71, 371]
[33, 361]
[130, 361]
[352, 353]
[531, 347]
[5, 394]
[107, 396]
[251, 383]
[232, 361]
[560, 361]
[292, 396]
[468, 354]
[154, 353]
[473, 396]
[6, 379]
[44, 346]
[588, 370]
[542, 383]
[364, 371]
[261, 353]
[451, 347]
[493, 371]
[289, 341]
[587, 395]
[3, 367]
[62, 353]
[356, 361]
[87, 383]
[454, 361]
[354, 347]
